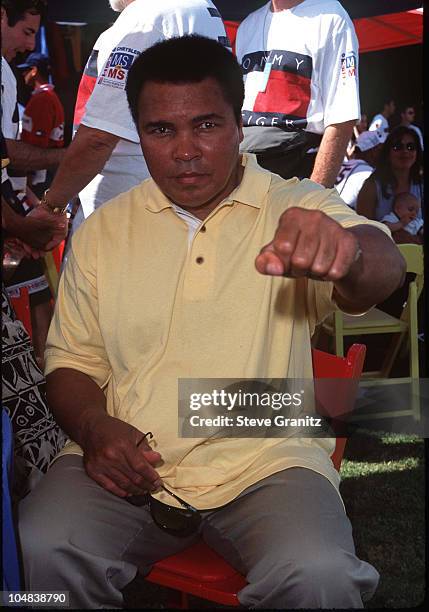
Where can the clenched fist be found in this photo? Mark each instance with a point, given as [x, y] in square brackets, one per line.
[309, 243]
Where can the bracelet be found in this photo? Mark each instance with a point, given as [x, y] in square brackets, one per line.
[56, 210]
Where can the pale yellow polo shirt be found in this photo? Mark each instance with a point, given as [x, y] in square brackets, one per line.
[136, 312]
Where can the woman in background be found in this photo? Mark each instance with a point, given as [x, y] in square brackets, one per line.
[398, 170]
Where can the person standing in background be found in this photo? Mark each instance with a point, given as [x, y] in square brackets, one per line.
[43, 119]
[380, 121]
[105, 159]
[300, 64]
[408, 115]
[20, 21]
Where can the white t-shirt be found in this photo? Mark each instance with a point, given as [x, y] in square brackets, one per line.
[413, 227]
[352, 175]
[140, 25]
[9, 116]
[379, 123]
[300, 68]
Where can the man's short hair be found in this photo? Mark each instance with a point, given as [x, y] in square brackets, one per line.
[187, 59]
[16, 9]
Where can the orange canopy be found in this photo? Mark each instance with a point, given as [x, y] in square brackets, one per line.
[376, 33]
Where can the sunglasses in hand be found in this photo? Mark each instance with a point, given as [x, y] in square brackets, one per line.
[180, 522]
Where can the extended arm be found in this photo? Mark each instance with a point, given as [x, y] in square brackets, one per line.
[111, 455]
[362, 262]
[331, 153]
[374, 276]
[26, 157]
[85, 158]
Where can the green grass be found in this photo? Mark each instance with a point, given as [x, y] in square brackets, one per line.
[383, 487]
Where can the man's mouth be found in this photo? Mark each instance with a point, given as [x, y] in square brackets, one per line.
[190, 178]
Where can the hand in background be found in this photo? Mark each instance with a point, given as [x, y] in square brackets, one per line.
[41, 231]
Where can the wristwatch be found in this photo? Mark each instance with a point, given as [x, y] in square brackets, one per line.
[56, 210]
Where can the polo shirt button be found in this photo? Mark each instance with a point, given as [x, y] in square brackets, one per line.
[203, 228]
[199, 260]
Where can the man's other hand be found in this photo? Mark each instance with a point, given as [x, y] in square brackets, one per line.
[308, 243]
[113, 459]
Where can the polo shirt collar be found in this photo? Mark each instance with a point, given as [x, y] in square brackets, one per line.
[252, 190]
[254, 185]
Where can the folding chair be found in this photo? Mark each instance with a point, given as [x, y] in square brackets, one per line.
[52, 265]
[199, 570]
[378, 322]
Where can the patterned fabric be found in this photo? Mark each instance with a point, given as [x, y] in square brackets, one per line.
[37, 438]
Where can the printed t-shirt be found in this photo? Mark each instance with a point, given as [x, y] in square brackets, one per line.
[352, 175]
[300, 70]
[9, 115]
[140, 25]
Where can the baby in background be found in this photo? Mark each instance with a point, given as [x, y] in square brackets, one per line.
[405, 216]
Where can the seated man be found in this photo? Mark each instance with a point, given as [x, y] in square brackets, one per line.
[165, 282]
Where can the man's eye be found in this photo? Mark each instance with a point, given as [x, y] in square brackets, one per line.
[161, 130]
[207, 125]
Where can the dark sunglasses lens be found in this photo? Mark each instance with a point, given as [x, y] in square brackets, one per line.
[138, 500]
[180, 522]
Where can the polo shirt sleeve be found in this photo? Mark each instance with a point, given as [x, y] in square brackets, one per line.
[319, 293]
[74, 339]
[339, 74]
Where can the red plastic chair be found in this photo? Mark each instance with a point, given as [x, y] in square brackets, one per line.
[52, 266]
[57, 254]
[21, 306]
[199, 570]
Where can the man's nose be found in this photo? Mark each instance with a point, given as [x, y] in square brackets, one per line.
[186, 147]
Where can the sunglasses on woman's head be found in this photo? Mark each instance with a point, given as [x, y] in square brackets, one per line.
[400, 146]
[180, 522]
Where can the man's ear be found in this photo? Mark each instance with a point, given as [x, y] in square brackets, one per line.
[240, 129]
